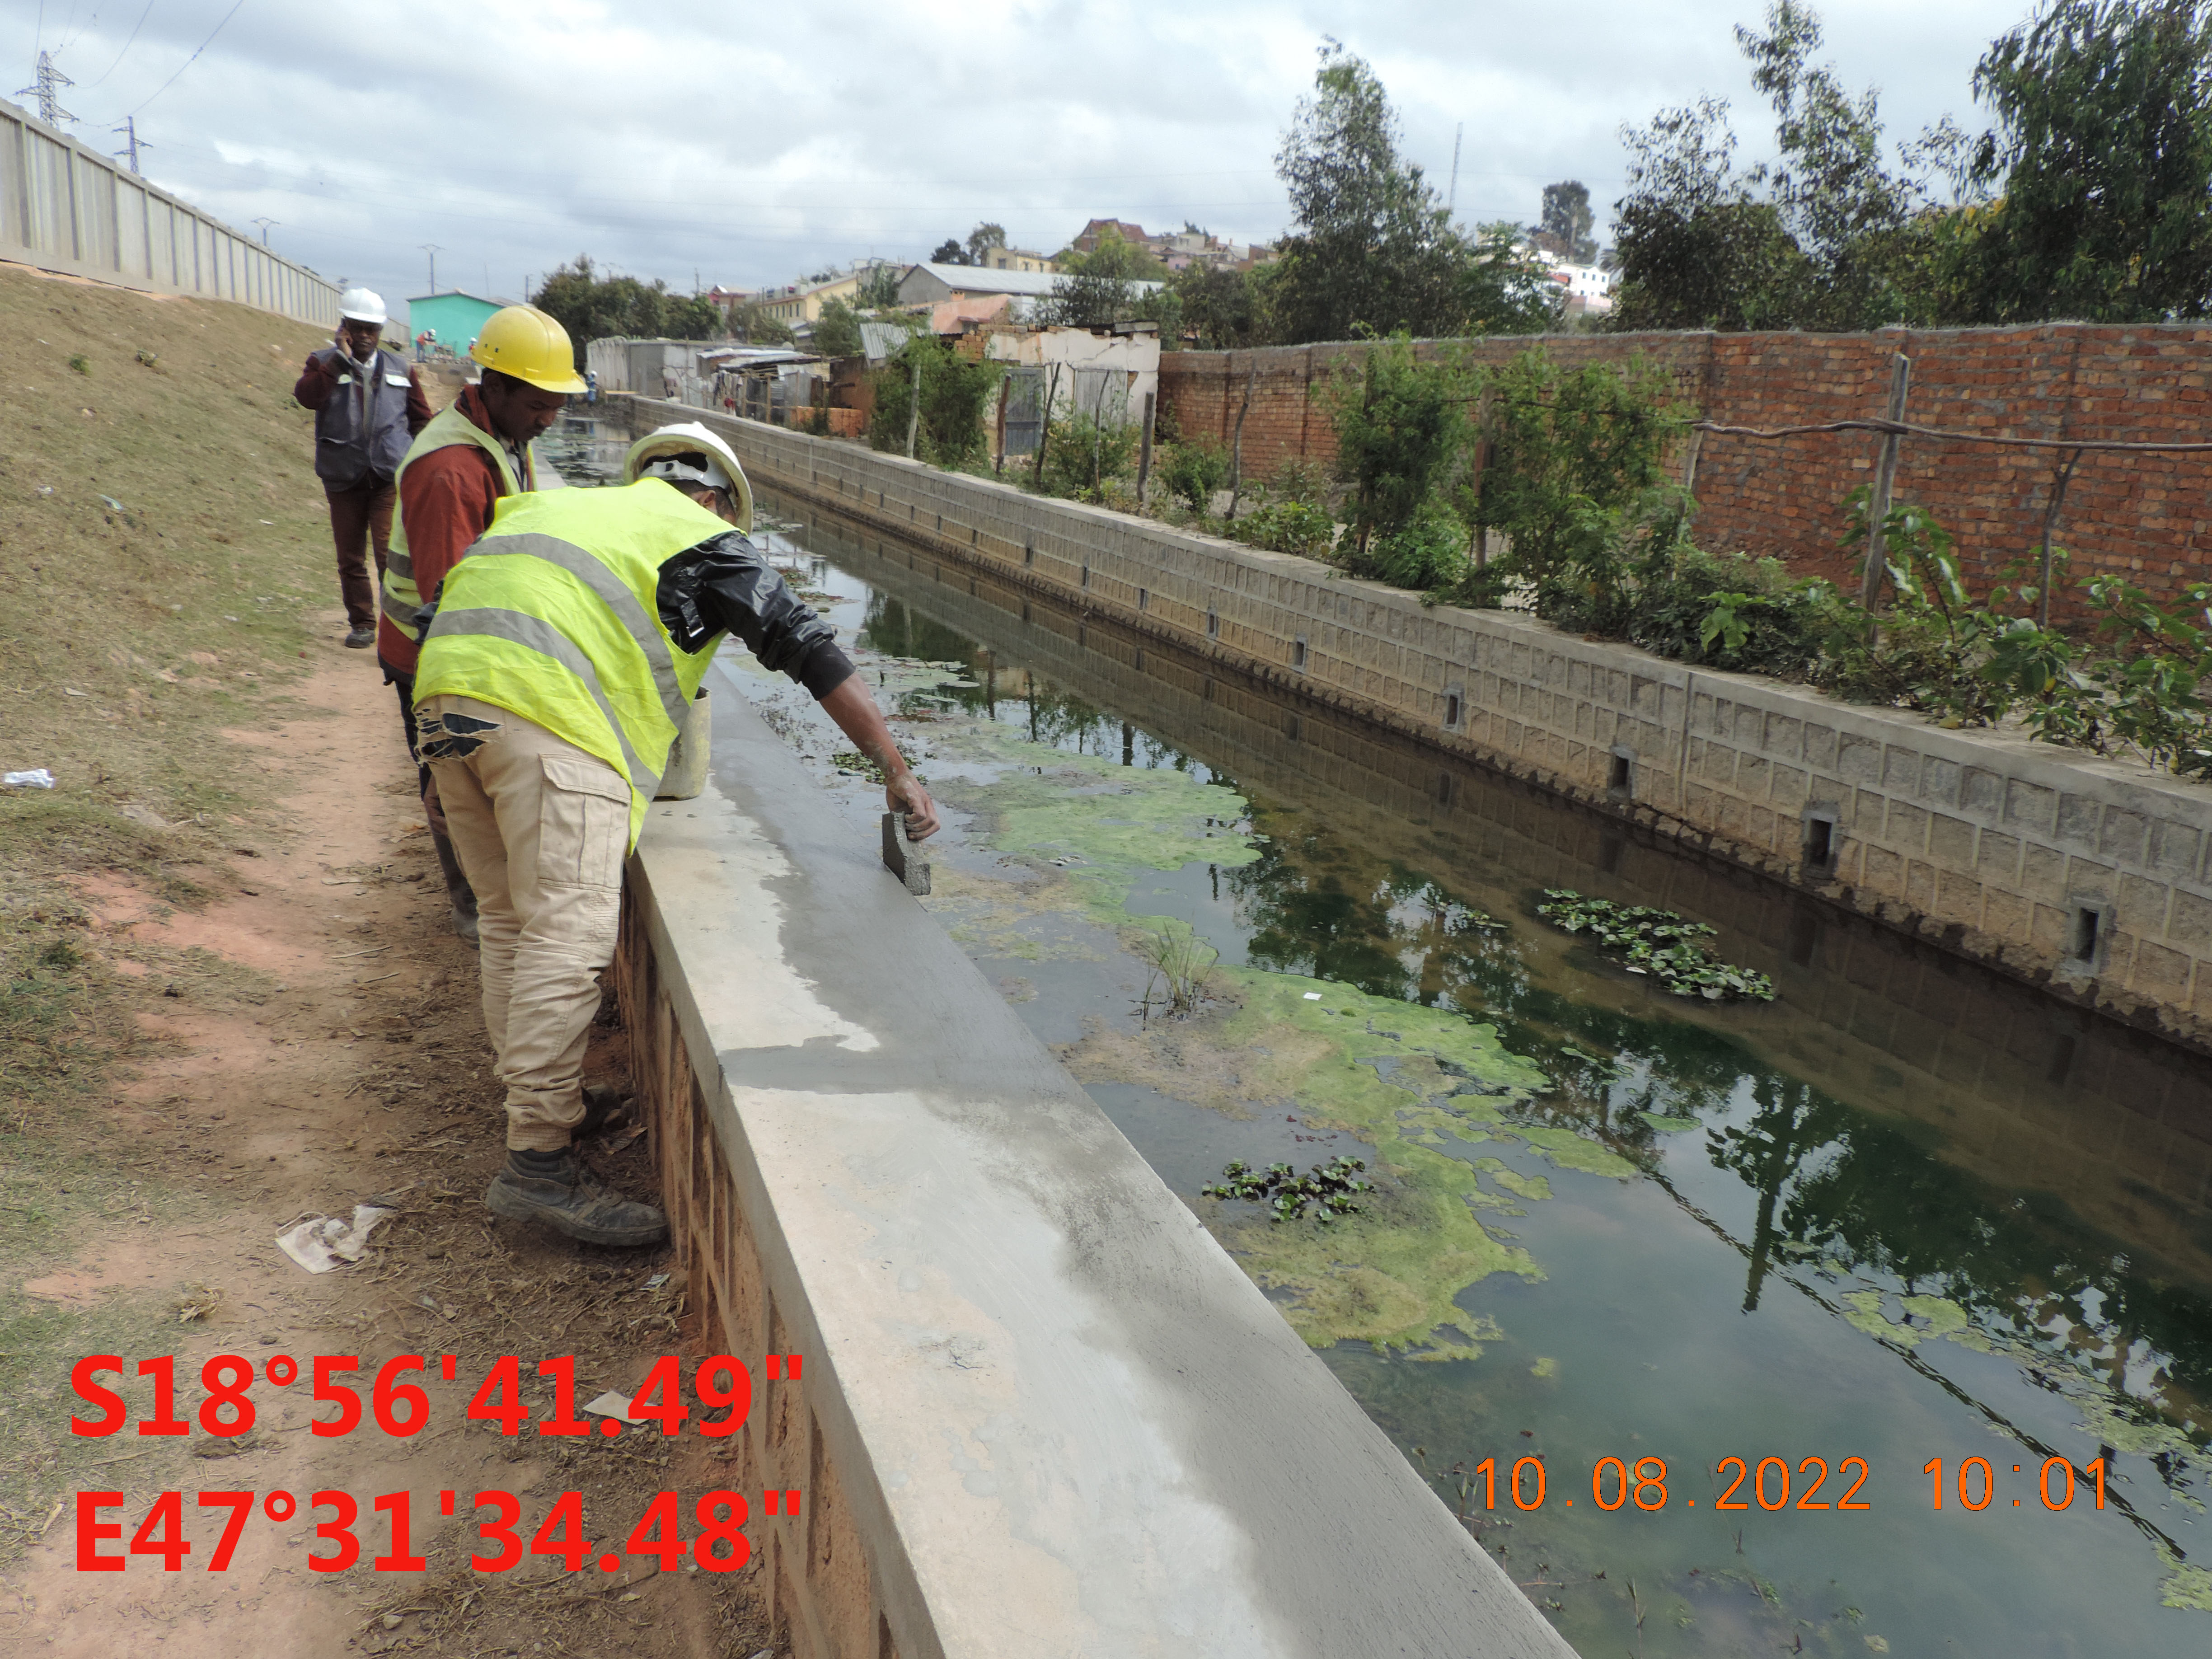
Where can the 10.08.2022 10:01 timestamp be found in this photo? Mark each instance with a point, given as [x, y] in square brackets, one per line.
[1771, 1484]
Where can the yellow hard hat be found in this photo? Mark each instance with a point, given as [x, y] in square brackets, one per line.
[690, 453]
[524, 341]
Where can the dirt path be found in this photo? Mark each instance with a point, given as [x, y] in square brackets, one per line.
[311, 1040]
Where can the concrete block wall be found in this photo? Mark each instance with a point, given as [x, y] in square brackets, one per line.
[2020, 1093]
[2088, 875]
[2146, 516]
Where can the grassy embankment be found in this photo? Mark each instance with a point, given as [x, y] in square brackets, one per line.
[164, 557]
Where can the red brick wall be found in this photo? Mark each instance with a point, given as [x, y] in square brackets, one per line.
[2149, 516]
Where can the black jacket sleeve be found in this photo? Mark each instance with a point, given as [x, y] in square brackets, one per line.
[725, 585]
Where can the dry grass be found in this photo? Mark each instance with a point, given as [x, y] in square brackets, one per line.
[182, 607]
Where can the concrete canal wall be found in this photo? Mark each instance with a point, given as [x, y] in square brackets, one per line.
[2088, 877]
[2023, 1095]
[1041, 1412]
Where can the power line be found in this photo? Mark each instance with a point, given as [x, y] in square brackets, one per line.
[194, 58]
[126, 52]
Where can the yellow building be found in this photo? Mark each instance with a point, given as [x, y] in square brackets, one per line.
[795, 304]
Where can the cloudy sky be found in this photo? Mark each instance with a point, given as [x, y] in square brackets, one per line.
[752, 144]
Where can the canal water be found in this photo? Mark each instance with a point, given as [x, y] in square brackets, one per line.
[1877, 1319]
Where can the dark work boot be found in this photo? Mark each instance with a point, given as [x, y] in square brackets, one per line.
[556, 1188]
[457, 890]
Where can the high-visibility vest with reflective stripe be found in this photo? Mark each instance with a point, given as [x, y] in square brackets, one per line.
[399, 598]
[553, 616]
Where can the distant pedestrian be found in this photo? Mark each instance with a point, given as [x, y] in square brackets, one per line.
[368, 406]
[591, 386]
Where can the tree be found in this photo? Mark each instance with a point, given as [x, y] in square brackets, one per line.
[591, 307]
[757, 327]
[1372, 248]
[837, 331]
[982, 239]
[1851, 216]
[1099, 288]
[1222, 305]
[949, 252]
[1564, 227]
[878, 289]
[1698, 247]
[2103, 155]
[1827, 236]
[954, 393]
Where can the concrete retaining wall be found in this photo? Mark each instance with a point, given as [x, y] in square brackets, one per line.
[2023, 1094]
[2090, 876]
[1041, 1412]
[65, 207]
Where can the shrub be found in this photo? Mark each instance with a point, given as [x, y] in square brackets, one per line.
[1083, 456]
[1287, 527]
[954, 393]
[1401, 432]
[1192, 471]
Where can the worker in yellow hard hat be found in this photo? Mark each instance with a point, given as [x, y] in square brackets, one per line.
[452, 476]
[556, 673]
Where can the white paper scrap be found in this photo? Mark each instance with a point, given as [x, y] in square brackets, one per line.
[613, 1405]
[38, 779]
[321, 1243]
[1313, 996]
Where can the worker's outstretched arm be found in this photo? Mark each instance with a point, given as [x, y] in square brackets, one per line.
[854, 709]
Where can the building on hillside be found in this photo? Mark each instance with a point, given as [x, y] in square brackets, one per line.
[457, 318]
[729, 301]
[794, 303]
[930, 284]
[1087, 240]
[1589, 289]
[801, 302]
[1016, 258]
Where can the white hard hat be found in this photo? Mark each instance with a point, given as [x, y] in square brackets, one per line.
[361, 305]
[689, 453]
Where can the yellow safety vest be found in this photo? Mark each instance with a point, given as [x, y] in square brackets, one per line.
[553, 616]
[400, 600]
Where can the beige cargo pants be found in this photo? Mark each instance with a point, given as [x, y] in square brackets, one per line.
[542, 829]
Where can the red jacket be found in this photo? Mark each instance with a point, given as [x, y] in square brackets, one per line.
[445, 502]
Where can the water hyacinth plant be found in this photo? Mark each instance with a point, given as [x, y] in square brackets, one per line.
[1657, 943]
[1326, 1187]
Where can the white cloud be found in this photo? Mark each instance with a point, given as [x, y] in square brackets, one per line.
[753, 145]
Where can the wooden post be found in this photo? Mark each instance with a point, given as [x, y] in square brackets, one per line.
[2050, 522]
[913, 412]
[999, 466]
[1145, 449]
[1044, 429]
[1885, 478]
[1478, 462]
[1237, 448]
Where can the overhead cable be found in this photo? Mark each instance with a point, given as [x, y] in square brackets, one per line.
[194, 58]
